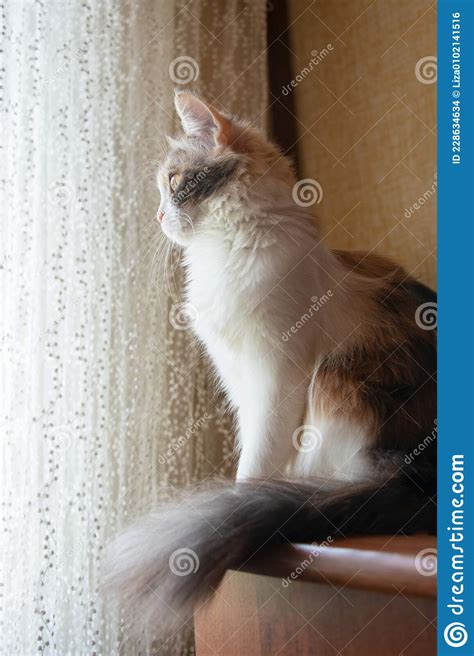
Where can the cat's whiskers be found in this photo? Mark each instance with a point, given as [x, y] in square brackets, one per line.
[166, 263]
[150, 226]
[155, 242]
[158, 249]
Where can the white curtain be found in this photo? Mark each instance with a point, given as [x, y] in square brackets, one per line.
[105, 399]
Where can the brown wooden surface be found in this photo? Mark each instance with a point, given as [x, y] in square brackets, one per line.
[331, 608]
[373, 563]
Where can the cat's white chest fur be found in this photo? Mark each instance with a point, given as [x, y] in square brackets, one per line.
[226, 319]
[245, 293]
[224, 291]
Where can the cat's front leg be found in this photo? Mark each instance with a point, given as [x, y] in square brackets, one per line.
[271, 410]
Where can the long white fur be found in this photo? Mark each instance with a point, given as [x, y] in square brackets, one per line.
[254, 261]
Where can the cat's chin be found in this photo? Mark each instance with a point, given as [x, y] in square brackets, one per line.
[178, 238]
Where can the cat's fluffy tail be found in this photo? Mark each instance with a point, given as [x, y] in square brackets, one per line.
[172, 560]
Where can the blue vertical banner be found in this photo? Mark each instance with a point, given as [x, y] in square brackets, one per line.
[456, 327]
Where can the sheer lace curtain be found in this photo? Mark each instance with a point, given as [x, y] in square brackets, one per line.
[106, 401]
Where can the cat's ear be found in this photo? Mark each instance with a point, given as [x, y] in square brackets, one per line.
[202, 121]
[171, 141]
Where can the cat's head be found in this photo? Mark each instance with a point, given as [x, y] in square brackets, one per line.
[219, 166]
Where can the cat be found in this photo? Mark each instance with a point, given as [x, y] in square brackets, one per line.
[321, 354]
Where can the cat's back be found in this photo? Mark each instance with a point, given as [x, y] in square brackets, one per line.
[386, 374]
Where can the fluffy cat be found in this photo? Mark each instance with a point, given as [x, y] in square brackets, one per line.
[319, 351]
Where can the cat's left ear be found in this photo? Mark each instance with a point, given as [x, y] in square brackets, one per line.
[202, 121]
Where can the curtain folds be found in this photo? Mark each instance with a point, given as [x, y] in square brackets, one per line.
[106, 400]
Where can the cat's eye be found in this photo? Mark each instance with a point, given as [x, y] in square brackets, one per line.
[175, 179]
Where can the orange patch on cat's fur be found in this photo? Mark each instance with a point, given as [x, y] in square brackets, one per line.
[383, 379]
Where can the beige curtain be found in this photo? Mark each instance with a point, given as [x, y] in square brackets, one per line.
[106, 400]
[366, 116]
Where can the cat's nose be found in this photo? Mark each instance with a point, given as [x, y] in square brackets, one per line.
[161, 216]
